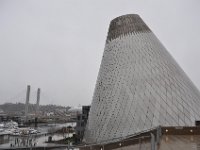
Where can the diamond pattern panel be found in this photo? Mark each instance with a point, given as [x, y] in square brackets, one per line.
[139, 87]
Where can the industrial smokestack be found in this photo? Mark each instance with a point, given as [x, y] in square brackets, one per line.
[27, 100]
[38, 101]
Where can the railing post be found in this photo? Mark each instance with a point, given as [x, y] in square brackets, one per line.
[153, 141]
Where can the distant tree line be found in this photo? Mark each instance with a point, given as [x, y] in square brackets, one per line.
[18, 108]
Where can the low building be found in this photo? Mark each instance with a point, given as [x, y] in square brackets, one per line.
[160, 138]
[3, 116]
[81, 123]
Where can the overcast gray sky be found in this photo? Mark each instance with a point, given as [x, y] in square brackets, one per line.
[57, 45]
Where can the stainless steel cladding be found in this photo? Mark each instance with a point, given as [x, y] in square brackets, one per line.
[139, 86]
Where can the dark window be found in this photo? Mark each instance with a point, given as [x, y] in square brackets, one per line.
[82, 124]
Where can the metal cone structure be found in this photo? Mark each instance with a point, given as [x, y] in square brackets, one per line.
[139, 86]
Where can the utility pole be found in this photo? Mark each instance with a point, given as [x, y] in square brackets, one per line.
[27, 100]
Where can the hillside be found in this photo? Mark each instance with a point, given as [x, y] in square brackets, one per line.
[18, 108]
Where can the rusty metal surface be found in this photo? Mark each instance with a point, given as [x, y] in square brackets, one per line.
[131, 23]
